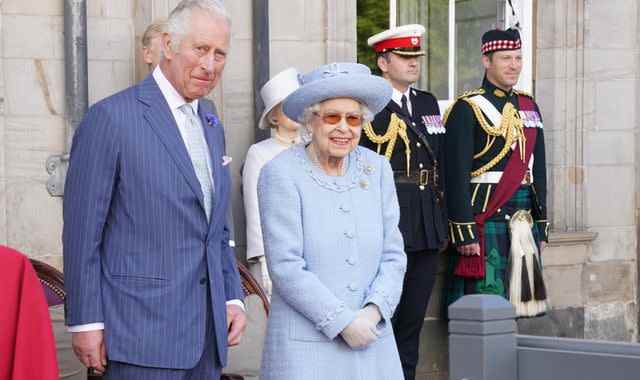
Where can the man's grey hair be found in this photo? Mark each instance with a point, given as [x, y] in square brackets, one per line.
[178, 21]
[309, 112]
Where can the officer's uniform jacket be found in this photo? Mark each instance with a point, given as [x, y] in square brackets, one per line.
[470, 150]
[420, 184]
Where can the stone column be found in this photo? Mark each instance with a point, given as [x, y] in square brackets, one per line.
[341, 30]
[482, 339]
[3, 176]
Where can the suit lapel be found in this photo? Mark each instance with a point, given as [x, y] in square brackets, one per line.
[216, 150]
[164, 125]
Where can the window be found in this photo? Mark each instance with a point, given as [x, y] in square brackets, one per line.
[452, 42]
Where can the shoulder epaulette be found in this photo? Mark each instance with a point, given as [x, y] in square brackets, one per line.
[466, 94]
[518, 92]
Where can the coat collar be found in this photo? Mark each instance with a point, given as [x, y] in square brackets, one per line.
[171, 95]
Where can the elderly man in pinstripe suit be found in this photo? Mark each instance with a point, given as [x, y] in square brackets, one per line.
[153, 288]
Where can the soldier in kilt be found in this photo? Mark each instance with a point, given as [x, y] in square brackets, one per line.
[496, 184]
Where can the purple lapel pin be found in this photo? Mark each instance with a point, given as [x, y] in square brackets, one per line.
[212, 120]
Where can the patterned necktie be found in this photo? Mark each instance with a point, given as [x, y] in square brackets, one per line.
[198, 150]
[405, 108]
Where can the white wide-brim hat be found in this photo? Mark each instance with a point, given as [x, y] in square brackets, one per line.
[338, 80]
[276, 90]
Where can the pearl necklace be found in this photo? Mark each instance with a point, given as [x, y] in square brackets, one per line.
[283, 140]
[313, 155]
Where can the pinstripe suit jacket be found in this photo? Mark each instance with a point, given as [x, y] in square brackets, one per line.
[138, 250]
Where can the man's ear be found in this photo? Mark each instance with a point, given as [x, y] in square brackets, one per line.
[382, 63]
[486, 61]
[167, 45]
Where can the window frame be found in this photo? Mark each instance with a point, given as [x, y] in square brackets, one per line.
[524, 12]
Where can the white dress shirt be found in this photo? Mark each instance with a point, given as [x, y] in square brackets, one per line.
[396, 96]
[175, 101]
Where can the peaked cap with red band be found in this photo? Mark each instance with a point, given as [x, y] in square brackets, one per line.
[402, 40]
[498, 40]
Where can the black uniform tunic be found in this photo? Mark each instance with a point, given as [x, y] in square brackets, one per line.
[465, 138]
[422, 208]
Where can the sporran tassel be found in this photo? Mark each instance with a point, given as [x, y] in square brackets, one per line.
[527, 291]
[538, 281]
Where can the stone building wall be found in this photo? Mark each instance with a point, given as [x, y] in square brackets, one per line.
[587, 86]
[32, 123]
[304, 34]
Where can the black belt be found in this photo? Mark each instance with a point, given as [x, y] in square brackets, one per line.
[422, 177]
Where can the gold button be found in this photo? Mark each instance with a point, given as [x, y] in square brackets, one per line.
[418, 145]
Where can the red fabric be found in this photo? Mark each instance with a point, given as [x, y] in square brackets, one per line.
[27, 345]
[514, 172]
[394, 43]
[490, 46]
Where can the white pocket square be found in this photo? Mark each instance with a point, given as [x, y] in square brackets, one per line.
[226, 160]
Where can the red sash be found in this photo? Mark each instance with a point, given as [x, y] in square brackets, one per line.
[514, 172]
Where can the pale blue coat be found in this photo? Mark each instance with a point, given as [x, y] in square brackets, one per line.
[332, 245]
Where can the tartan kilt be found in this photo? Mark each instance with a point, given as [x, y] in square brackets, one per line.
[497, 244]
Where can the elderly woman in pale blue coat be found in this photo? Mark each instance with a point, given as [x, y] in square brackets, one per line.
[330, 217]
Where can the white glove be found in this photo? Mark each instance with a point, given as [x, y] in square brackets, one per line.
[360, 333]
[266, 280]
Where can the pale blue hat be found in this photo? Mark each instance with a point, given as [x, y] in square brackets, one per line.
[338, 80]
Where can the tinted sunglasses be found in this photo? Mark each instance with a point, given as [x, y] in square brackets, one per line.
[333, 118]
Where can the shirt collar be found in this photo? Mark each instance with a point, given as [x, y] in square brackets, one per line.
[171, 95]
[494, 90]
[396, 96]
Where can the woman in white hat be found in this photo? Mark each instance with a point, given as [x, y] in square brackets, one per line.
[330, 217]
[285, 133]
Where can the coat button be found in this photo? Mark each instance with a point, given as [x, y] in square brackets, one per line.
[353, 287]
[420, 165]
[418, 145]
[349, 235]
[351, 261]
[413, 123]
[344, 208]
[203, 281]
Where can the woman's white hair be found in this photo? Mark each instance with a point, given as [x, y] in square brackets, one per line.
[308, 113]
[178, 21]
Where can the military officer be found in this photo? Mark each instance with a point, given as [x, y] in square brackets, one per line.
[496, 183]
[410, 133]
